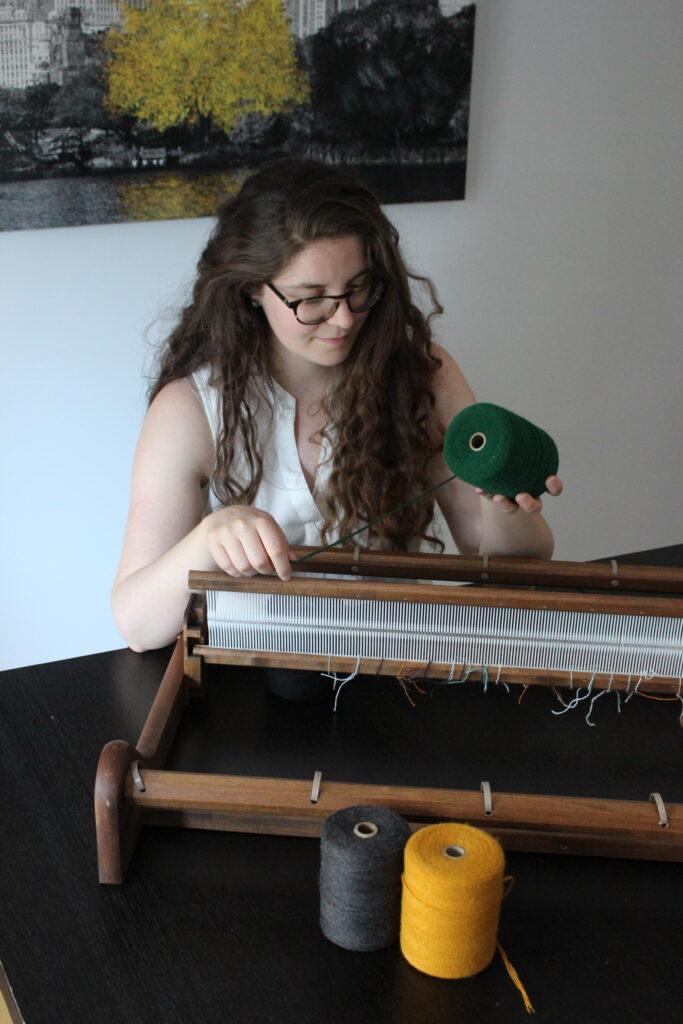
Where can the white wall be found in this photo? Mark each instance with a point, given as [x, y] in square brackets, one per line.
[561, 275]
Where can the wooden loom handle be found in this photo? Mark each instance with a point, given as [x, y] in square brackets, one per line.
[527, 571]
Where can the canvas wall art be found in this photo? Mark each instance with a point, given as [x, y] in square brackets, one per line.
[154, 109]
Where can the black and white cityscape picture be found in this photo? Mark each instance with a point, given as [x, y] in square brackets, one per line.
[155, 109]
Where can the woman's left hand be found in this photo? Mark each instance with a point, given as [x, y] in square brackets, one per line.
[523, 501]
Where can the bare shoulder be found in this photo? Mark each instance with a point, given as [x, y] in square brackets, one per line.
[176, 430]
[179, 403]
[450, 387]
[173, 461]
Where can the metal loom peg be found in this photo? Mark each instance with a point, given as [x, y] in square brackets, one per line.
[315, 790]
[137, 777]
[663, 816]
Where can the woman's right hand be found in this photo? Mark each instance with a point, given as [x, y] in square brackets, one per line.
[244, 541]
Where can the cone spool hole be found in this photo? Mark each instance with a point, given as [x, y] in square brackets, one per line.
[365, 829]
[454, 852]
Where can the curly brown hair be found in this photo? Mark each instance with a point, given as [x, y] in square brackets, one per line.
[378, 413]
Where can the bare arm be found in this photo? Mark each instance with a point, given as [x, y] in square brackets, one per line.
[481, 523]
[166, 535]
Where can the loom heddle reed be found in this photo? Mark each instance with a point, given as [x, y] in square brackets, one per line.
[435, 634]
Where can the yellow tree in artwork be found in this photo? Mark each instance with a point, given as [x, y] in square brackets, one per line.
[180, 62]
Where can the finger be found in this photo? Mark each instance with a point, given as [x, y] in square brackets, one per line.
[554, 485]
[239, 564]
[505, 504]
[225, 564]
[282, 563]
[489, 496]
[254, 557]
[229, 555]
[528, 503]
[276, 548]
[265, 549]
[220, 555]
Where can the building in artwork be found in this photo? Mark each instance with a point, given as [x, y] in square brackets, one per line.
[309, 16]
[96, 15]
[24, 48]
[43, 40]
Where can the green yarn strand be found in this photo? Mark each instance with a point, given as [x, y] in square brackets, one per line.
[361, 529]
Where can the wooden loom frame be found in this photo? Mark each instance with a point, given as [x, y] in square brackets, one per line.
[132, 788]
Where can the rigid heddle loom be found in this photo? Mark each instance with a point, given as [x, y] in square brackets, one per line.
[585, 627]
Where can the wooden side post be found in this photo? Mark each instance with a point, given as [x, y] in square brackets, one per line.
[117, 820]
[117, 817]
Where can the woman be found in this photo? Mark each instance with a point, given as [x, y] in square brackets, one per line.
[299, 396]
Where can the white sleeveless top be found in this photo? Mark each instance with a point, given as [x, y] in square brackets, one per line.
[284, 490]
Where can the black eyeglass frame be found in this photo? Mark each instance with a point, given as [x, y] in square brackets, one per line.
[294, 304]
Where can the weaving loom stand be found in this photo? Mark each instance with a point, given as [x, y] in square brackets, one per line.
[132, 788]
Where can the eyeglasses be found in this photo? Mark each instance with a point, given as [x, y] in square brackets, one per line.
[321, 307]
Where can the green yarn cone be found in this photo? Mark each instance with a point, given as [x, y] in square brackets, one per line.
[499, 451]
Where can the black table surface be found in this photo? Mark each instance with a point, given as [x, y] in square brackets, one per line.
[220, 927]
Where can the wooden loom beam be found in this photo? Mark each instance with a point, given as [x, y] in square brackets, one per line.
[535, 823]
[426, 593]
[610, 575]
[345, 665]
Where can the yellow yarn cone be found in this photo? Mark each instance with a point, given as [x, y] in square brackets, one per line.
[452, 891]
